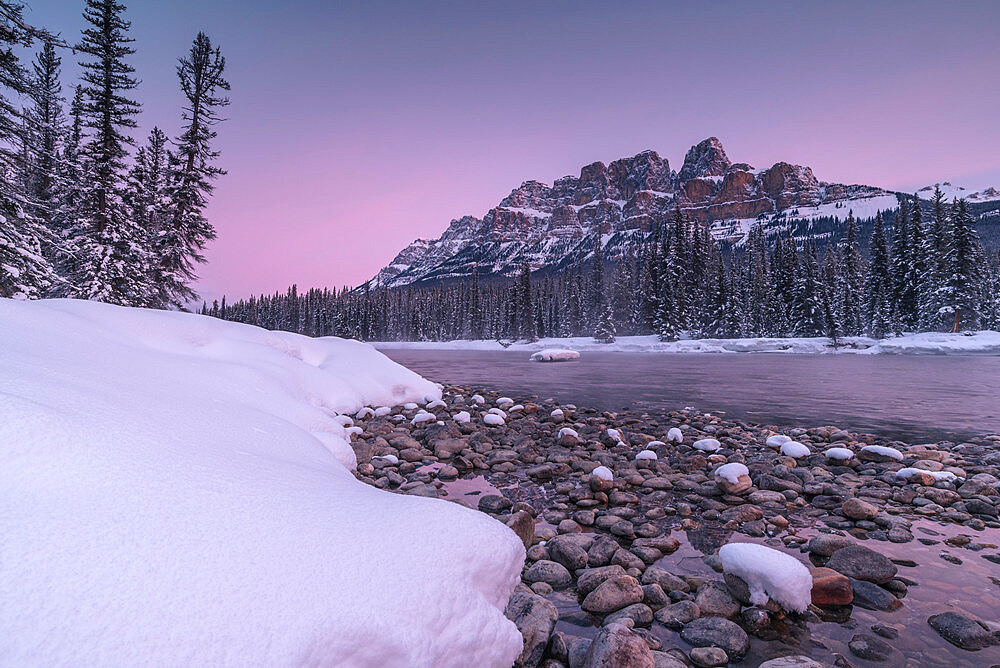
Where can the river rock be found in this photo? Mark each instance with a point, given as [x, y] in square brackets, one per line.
[523, 524]
[830, 587]
[709, 657]
[856, 509]
[494, 504]
[717, 632]
[962, 631]
[567, 552]
[617, 646]
[825, 544]
[861, 563]
[797, 661]
[870, 648]
[592, 578]
[677, 615]
[714, 600]
[613, 594]
[535, 618]
[550, 572]
[872, 597]
[667, 580]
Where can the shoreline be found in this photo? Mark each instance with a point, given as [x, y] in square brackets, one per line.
[927, 343]
[656, 517]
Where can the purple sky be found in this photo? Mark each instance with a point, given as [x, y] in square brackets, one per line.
[357, 126]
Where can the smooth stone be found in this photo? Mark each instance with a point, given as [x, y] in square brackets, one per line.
[717, 632]
[613, 594]
[861, 563]
[962, 631]
[615, 645]
[535, 618]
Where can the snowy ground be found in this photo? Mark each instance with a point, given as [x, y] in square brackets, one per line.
[981, 343]
[175, 490]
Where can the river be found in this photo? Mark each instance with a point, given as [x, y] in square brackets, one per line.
[909, 397]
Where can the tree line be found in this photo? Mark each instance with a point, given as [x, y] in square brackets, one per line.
[81, 216]
[925, 273]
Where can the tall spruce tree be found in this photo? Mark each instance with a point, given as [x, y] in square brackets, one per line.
[878, 283]
[851, 298]
[24, 270]
[45, 137]
[180, 245]
[115, 253]
[961, 270]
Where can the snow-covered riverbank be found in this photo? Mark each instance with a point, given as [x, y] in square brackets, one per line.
[928, 343]
[177, 490]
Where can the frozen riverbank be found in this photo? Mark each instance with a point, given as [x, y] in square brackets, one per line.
[928, 343]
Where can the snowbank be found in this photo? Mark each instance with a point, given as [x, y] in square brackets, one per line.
[175, 490]
[769, 573]
[555, 355]
[936, 343]
[978, 343]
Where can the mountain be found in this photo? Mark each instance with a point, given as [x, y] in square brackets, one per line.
[551, 226]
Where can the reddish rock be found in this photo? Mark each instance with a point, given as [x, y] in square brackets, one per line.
[830, 587]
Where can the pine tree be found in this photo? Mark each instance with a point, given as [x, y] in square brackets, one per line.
[961, 269]
[903, 297]
[878, 283]
[605, 330]
[115, 256]
[24, 270]
[526, 328]
[808, 318]
[147, 196]
[46, 133]
[180, 245]
[851, 297]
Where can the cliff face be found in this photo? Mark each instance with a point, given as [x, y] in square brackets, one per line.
[622, 201]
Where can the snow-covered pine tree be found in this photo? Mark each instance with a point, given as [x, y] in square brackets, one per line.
[147, 198]
[808, 318]
[25, 272]
[878, 283]
[115, 256]
[46, 134]
[181, 243]
[933, 314]
[961, 269]
[902, 296]
[605, 329]
[851, 297]
[916, 270]
[526, 326]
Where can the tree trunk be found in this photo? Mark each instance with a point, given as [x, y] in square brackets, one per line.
[958, 320]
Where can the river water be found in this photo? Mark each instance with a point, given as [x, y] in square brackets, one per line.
[908, 397]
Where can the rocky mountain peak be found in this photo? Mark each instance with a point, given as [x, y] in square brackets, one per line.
[707, 158]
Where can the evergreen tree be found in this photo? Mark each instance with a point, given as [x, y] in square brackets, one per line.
[808, 318]
[115, 253]
[24, 270]
[903, 294]
[526, 328]
[961, 270]
[605, 330]
[878, 283]
[46, 133]
[180, 244]
[147, 196]
[851, 281]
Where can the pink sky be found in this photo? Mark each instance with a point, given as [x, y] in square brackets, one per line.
[358, 127]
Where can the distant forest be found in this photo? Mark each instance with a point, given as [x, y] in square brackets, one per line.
[924, 272]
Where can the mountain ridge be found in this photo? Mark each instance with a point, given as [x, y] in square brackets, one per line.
[622, 201]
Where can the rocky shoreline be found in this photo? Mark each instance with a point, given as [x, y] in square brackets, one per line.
[602, 500]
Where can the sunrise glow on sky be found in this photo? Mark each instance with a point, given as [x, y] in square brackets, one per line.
[356, 127]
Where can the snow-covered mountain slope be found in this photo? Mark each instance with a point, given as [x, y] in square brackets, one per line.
[622, 201]
[175, 490]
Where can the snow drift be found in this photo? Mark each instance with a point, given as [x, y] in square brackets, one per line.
[175, 490]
